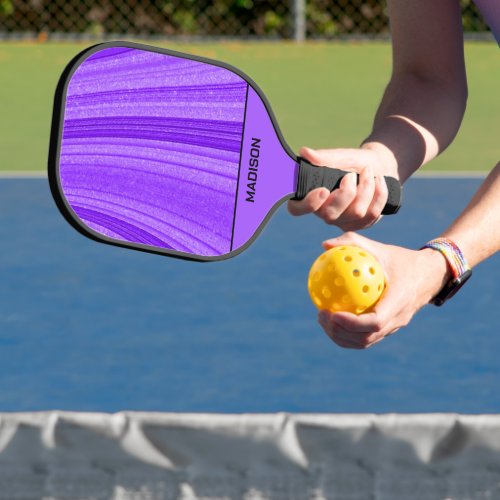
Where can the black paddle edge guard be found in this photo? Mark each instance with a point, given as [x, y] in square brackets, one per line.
[312, 177]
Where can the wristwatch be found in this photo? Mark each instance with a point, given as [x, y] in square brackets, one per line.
[460, 270]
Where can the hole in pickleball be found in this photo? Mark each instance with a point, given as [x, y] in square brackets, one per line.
[346, 299]
[348, 258]
[339, 281]
[331, 268]
[363, 254]
[379, 287]
[317, 300]
[366, 289]
[326, 292]
[317, 276]
[360, 309]
[372, 270]
[356, 273]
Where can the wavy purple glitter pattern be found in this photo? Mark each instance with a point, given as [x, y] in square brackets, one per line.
[151, 147]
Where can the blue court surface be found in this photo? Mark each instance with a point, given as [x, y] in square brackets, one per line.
[91, 327]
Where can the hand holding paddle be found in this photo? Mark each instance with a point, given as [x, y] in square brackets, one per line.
[360, 200]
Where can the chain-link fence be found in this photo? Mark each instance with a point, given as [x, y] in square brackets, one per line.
[206, 18]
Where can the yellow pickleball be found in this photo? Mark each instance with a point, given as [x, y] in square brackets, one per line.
[346, 278]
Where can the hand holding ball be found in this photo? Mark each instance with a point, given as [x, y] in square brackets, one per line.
[346, 278]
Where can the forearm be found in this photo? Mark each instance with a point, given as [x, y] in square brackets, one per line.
[416, 120]
[424, 103]
[477, 230]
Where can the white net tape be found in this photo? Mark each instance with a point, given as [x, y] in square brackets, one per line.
[160, 456]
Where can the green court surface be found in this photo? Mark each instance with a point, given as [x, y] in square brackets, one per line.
[323, 95]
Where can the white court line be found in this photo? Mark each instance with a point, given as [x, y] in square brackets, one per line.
[454, 174]
[23, 175]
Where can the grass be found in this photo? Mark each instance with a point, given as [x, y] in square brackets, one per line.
[323, 95]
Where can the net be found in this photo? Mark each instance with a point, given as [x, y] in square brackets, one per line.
[159, 456]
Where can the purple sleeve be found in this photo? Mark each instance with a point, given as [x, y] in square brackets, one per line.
[490, 9]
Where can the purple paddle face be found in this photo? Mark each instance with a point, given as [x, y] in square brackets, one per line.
[166, 153]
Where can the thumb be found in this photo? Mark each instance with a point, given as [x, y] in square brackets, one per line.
[377, 249]
[349, 238]
[339, 157]
[311, 155]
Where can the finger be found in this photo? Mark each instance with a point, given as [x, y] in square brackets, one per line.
[372, 343]
[338, 334]
[338, 201]
[392, 311]
[393, 332]
[312, 156]
[311, 203]
[347, 338]
[380, 196]
[353, 340]
[324, 318]
[385, 317]
[375, 339]
[362, 340]
[365, 191]
[344, 344]
[341, 339]
[359, 224]
[362, 324]
[367, 202]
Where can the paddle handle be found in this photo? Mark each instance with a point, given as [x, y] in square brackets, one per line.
[312, 177]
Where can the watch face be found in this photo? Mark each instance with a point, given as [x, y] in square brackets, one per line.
[451, 288]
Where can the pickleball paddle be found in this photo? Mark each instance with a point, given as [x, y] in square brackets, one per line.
[171, 153]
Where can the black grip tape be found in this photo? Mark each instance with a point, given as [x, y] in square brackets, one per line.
[312, 177]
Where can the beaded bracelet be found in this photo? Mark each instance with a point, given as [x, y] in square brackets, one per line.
[452, 254]
[460, 269]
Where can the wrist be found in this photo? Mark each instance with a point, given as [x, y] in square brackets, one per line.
[437, 272]
[386, 156]
[457, 266]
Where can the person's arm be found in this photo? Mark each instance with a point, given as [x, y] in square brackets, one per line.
[414, 277]
[477, 230]
[419, 114]
[424, 103]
